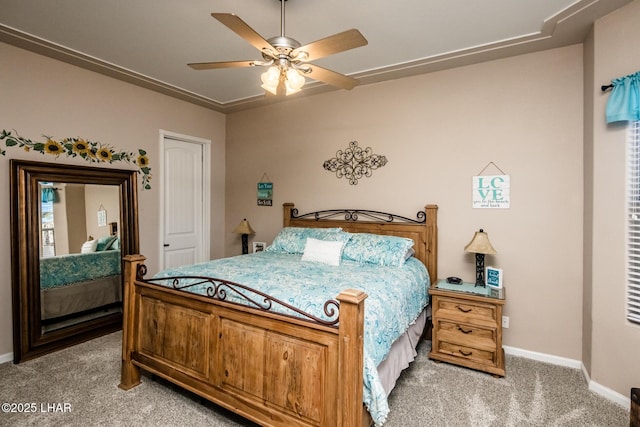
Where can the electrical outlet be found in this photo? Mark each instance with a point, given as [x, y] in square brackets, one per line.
[505, 322]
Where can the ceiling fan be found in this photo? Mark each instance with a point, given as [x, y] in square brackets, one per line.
[286, 58]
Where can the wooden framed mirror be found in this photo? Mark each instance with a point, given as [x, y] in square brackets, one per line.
[70, 228]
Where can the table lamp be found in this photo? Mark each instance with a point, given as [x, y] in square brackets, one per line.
[244, 229]
[481, 246]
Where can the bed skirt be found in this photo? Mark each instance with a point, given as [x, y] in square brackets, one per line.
[79, 297]
[402, 353]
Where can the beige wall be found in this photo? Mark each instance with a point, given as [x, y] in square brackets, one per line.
[100, 197]
[437, 131]
[44, 96]
[76, 214]
[614, 341]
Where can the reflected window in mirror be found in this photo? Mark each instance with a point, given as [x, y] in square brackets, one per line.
[48, 240]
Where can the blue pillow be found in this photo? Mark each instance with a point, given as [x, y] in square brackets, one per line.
[105, 243]
[377, 249]
[293, 239]
[116, 245]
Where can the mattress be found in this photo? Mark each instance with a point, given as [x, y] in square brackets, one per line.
[75, 268]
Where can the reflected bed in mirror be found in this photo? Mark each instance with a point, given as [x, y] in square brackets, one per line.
[70, 226]
[80, 272]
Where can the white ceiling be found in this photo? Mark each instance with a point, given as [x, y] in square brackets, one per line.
[150, 42]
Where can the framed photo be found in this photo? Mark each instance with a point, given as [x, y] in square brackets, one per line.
[493, 277]
[259, 246]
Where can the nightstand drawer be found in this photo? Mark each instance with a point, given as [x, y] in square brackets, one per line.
[467, 334]
[460, 309]
[473, 354]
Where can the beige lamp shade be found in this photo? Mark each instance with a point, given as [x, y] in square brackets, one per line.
[244, 228]
[480, 244]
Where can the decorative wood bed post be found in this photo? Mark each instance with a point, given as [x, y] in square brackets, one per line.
[432, 250]
[351, 357]
[286, 217]
[130, 374]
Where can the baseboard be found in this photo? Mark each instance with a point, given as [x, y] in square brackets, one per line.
[612, 395]
[543, 357]
[607, 393]
[6, 357]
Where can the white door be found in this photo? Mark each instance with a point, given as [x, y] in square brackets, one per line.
[185, 200]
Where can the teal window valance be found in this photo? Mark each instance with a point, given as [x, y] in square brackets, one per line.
[48, 195]
[624, 101]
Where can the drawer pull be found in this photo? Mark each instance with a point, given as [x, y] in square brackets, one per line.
[463, 310]
[465, 354]
[463, 331]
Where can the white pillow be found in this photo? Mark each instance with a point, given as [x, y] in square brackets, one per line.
[410, 252]
[324, 251]
[89, 246]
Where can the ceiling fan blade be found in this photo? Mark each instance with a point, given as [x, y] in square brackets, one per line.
[331, 77]
[241, 28]
[216, 65]
[340, 42]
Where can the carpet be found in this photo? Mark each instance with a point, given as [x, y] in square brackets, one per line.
[77, 386]
[531, 394]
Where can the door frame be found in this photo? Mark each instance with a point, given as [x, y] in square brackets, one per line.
[206, 191]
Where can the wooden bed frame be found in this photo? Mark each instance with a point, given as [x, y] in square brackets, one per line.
[273, 369]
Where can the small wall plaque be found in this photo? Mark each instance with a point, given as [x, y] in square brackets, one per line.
[102, 217]
[265, 194]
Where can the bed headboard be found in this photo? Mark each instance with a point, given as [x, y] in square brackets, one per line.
[423, 230]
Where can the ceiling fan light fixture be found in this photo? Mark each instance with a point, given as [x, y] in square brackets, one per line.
[294, 81]
[300, 56]
[270, 79]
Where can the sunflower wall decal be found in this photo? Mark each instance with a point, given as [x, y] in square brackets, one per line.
[93, 152]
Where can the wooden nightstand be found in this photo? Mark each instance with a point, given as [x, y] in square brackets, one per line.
[467, 326]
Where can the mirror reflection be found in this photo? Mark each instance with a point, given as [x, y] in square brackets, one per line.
[70, 228]
[79, 249]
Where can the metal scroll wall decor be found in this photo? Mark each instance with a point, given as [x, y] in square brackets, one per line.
[354, 163]
[93, 152]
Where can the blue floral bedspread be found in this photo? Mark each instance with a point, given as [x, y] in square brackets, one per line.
[396, 296]
[73, 268]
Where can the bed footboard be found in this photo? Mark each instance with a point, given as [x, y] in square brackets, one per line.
[274, 369]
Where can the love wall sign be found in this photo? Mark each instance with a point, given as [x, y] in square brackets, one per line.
[491, 192]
